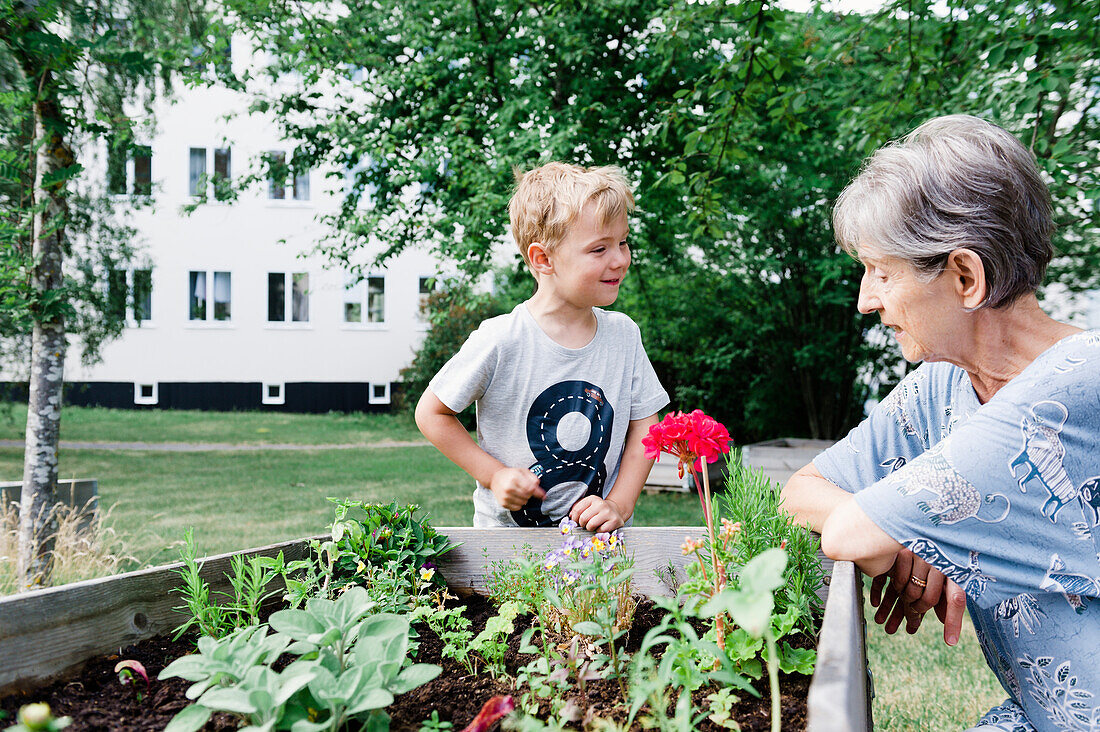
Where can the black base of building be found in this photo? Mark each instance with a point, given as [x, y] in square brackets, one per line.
[304, 396]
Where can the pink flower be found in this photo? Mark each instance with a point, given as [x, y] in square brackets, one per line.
[690, 438]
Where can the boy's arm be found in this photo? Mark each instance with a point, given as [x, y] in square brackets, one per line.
[599, 514]
[511, 486]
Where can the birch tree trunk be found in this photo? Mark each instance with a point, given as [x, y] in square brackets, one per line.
[37, 517]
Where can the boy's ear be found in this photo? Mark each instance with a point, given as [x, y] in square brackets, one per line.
[539, 258]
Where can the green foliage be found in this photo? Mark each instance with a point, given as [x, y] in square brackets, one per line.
[523, 579]
[492, 642]
[752, 605]
[454, 314]
[452, 627]
[248, 579]
[752, 501]
[739, 124]
[434, 723]
[90, 71]
[350, 664]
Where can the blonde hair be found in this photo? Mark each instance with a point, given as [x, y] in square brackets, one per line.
[549, 199]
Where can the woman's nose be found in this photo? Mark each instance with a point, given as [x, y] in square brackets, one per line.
[868, 301]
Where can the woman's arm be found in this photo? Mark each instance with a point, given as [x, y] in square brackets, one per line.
[809, 497]
[847, 533]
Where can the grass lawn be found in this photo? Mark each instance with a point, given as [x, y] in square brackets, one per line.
[86, 424]
[924, 685]
[237, 500]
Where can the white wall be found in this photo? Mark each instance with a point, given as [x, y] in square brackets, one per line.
[246, 238]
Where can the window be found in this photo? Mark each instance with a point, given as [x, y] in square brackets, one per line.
[198, 181]
[425, 288]
[379, 393]
[130, 295]
[365, 300]
[205, 289]
[273, 393]
[129, 168]
[279, 172]
[145, 393]
[288, 293]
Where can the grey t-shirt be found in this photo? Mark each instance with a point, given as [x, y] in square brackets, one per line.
[561, 412]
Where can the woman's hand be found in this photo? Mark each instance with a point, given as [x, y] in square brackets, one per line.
[910, 589]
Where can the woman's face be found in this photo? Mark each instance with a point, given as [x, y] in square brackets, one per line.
[923, 315]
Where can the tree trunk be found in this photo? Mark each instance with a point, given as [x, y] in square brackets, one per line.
[37, 517]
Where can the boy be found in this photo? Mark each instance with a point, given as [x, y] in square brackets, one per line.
[564, 390]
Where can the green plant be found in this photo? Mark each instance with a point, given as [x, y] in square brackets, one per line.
[302, 578]
[452, 627]
[586, 577]
[38, 718]
[434, 723]
[350, 665]
[751, 606]
[248, 579]
[368, 534]
[492, 642]
[205, 615]
[752, 502]
[128, 670]
[523, 579]
[695, 439]
[223, 661]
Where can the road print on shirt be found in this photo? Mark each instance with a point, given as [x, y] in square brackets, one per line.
[554, 464]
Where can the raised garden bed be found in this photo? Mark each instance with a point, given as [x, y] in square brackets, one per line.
[54, 632]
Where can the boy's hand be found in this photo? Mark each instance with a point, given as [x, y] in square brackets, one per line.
[512, 487]
[597, 514]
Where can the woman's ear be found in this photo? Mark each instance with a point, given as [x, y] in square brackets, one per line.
[968, 273]
[539, 258]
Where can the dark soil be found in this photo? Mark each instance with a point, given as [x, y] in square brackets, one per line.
[96, 700]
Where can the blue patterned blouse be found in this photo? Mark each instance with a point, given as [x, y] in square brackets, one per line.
[1003, 498]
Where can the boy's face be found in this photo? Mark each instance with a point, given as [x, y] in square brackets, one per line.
[591, 262]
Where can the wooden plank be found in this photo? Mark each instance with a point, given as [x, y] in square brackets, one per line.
[840, 694]
[658, 561]
[47, 632]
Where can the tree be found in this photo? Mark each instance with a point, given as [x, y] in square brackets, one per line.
[75, 74]
[739, 123]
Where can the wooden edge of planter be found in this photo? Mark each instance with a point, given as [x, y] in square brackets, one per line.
[840, 698]
[46, 633]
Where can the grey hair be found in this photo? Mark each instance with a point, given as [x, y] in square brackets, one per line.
[954, 182]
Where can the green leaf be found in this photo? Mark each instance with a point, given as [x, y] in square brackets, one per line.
[298, 624]
[228, 700]
[416, 675]
[587, 627]
[190, 719]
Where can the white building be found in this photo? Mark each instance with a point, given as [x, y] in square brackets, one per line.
[228, 310]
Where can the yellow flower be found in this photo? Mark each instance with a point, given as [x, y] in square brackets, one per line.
[598, 545]
[360, 566]
[426, 573]
[612, 540]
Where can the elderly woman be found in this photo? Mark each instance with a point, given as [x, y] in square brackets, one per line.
[976, 482]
